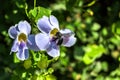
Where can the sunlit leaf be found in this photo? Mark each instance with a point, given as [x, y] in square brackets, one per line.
[50, 77]
[16, 60]
[24, 74]
[87, 59]
[92, 52]
[36, 56]
[95, 27]
[38, 12]
[50, 70]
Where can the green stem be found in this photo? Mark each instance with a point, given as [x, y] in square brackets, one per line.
[34, 3]
[53, 60]
[26, 7]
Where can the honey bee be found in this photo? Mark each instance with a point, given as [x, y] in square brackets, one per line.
[58, 36]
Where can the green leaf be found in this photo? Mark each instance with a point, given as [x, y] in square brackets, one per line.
[98, 67]
[16, 60]
[95, 35]
[116, 28]
[43, 63]
[27, 64]
[95, 27]
[104, 31]
[105, 66]
[50, 77]
[38, 12]
[50, 70]
[87, 59]
[115, 41]
[36, 56]
[92, 52]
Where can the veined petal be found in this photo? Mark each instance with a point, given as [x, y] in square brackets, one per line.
[12, 32]
[24, 27]
[31, 43]
[66, 32]
[69, 41]
[23, 52]
[53, 50]
[42, 40]
[15, 46]
[54, 22]
[44, 25]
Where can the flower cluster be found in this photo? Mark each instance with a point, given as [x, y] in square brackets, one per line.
[49, 39]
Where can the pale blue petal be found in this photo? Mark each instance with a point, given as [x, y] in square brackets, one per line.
[68, 42]
[44, 25]
[66, 32]
[54, 22]
[53, 50]
[31, 43]
[15, 46]
[24, 27]
[12, 32]
[42, 40]
[23, 52]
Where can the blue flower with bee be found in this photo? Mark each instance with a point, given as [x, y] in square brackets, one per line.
[51, 36]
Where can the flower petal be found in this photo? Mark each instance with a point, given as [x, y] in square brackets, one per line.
[23, 52]
[42, 41]
[15, 46]
[24, 27]
[54, 22]
[44, 24]
[66, 32]
[31, 43]
[12, 32]
[69, 41]
[53, 50]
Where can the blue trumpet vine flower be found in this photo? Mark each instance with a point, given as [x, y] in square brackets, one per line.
[51, 36]
[20, 32]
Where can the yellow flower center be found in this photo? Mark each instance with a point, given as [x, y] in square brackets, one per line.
[22, 37]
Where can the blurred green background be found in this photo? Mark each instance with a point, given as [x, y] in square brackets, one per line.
[96, 23]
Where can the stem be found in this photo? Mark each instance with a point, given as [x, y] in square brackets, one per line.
[53, 60]
[34, 3]
[26, 7]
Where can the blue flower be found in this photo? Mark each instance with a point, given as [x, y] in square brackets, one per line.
[51, 36]
[20, 32]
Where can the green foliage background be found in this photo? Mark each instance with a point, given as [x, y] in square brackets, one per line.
[96, 54]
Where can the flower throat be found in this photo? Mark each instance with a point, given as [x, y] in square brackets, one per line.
[22, 37]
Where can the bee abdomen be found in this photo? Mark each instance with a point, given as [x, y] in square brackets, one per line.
[60, 41]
